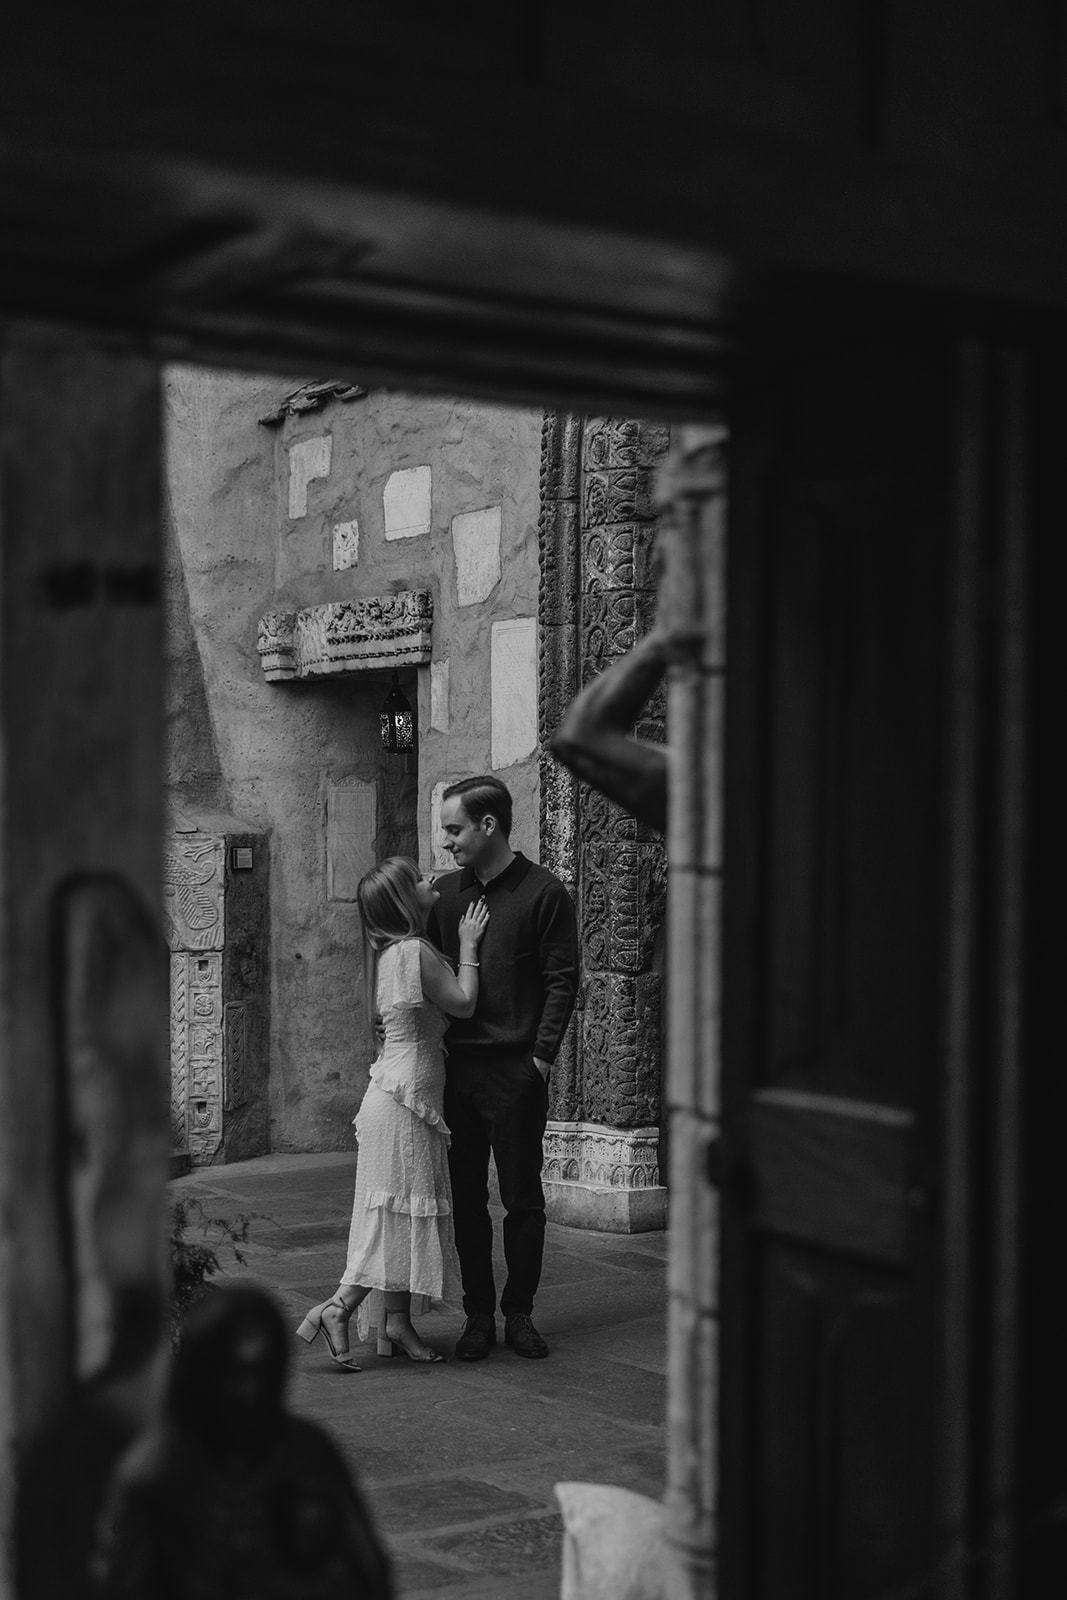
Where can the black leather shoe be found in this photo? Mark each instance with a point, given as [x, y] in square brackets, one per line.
[477, 1339]
[523, 1337]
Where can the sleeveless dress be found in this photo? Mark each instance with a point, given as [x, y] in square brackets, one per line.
[402, 1235]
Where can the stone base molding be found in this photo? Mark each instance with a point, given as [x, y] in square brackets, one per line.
[603, 1178]
[391, 630]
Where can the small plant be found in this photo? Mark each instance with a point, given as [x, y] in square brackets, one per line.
[195, 1241]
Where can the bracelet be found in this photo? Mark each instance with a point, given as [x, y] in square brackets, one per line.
[470, 963]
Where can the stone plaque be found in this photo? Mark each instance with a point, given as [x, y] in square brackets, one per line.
[351, 824]
[193, 891]
[513, 668]
[308, 459]
[407, 503]
[476, 543]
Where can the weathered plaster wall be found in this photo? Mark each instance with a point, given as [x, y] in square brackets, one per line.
[194, 773]
[478, 555]
[260, 517]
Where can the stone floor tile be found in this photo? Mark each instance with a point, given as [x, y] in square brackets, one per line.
[415, 1577]
[505, 1547]
[633, 1261]
[642, 1469]
[309, 1235]
[542, 1584]
[637, 1341]
[419, 1505]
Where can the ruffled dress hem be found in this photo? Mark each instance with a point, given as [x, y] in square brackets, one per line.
[390, 1080]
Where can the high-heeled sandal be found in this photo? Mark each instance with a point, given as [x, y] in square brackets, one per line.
[390, 1344]
[313, 1325]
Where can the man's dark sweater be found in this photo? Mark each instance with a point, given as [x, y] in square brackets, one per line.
[528, 960]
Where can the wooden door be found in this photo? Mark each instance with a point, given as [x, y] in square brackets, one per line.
[834, 889]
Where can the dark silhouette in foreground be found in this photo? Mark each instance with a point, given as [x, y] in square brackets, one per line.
[229, 1496]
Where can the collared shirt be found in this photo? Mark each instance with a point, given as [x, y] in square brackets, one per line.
[528, 959]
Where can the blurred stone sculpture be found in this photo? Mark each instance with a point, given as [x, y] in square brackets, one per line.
[614, 1545]
[228, 1496]
[595, 739]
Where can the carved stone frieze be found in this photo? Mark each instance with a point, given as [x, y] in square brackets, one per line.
[615, 495]
[621, 1048]
[347, 636]
[623, 902]
[601, 818]
[589, 1152]
[623, 442]
[621, 557]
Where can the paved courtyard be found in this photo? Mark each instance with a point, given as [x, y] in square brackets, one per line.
[458, 1461]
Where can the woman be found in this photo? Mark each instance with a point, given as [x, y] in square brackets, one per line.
[401, 1240]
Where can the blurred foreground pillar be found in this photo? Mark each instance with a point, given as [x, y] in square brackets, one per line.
[82, 974]
[692, 492]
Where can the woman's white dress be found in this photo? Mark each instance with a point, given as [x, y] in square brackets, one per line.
[402, 1235]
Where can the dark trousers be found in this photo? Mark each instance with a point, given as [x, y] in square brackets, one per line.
[499, 1106]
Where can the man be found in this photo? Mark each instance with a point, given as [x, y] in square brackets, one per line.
[499, 1059]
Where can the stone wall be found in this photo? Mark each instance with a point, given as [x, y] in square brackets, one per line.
[284, 501]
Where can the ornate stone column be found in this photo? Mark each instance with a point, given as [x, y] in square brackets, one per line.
[597, 537]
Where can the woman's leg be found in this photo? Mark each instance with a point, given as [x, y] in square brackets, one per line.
[351, 1294]
[336, 1313]
[399, 1330]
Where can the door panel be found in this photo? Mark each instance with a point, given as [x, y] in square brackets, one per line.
[835, 729]
[833, 1173]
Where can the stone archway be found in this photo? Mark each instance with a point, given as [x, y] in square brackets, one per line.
[597, 597]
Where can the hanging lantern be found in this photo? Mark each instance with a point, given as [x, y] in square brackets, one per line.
[396, 721]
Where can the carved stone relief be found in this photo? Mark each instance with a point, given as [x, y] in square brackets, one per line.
[587, 1152]
[346, 636]
[192, 891]
[235, 1054]
[179, 1052]
[597, 546]
[196, 1052]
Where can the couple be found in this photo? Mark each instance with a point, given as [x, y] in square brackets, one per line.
[507, 927]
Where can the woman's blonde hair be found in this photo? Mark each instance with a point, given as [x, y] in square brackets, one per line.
[389, 911]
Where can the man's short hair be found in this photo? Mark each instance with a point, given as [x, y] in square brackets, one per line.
[483, 797]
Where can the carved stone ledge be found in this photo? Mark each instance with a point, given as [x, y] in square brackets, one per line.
[390, 630]
[605, 1178]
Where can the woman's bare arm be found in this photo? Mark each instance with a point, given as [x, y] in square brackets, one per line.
[456, 994]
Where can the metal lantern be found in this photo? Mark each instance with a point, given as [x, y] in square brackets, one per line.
[396, 721]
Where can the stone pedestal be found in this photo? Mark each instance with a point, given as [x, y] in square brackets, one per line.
[604, 1178]
[215, 888]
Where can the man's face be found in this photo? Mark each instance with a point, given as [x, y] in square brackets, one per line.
[467, 842]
